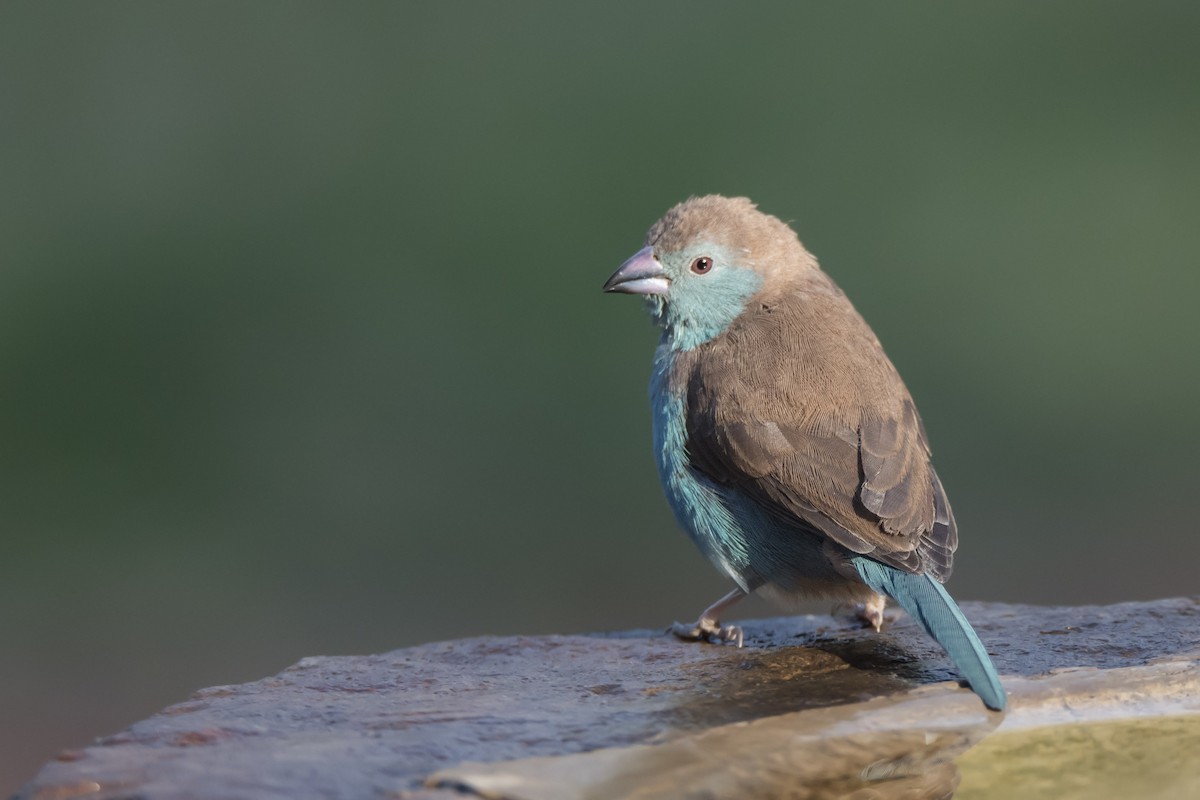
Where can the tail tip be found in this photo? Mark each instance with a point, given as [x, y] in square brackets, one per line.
[994, 697]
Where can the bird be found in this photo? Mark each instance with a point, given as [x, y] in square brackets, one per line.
[787, 445]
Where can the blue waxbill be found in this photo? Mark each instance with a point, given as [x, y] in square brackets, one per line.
[787, 444]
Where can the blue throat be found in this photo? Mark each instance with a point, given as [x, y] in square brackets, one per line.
[700, 308]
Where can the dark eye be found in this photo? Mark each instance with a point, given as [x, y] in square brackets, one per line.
[702, 265]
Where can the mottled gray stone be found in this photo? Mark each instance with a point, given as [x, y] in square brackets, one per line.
[813, 704]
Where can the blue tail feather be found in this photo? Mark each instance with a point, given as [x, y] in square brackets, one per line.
[930, 605]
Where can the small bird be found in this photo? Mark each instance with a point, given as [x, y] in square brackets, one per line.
[788, 446]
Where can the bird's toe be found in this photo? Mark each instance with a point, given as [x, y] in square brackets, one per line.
[870, 613]
[707, 630]
[731, 634]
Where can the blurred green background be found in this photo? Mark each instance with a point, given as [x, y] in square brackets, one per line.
[302, 347]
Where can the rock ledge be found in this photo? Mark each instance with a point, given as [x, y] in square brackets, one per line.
[813, 704]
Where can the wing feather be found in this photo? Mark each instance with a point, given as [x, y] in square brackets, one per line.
[818, 428]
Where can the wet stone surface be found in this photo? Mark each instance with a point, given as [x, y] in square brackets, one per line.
[813, 703]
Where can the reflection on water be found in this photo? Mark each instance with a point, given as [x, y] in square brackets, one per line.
[898, 747]
[767, 682]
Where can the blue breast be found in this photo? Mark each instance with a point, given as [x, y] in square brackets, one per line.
[714, 519]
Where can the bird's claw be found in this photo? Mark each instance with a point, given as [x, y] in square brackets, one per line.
[708, 630]
[870, 613]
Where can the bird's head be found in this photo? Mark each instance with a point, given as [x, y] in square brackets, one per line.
[704, 261]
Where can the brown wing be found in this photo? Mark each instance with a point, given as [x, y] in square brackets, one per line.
[798, 406]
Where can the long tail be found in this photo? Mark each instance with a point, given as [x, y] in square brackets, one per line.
[929, 604]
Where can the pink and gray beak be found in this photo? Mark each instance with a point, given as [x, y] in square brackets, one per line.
[641, 274]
